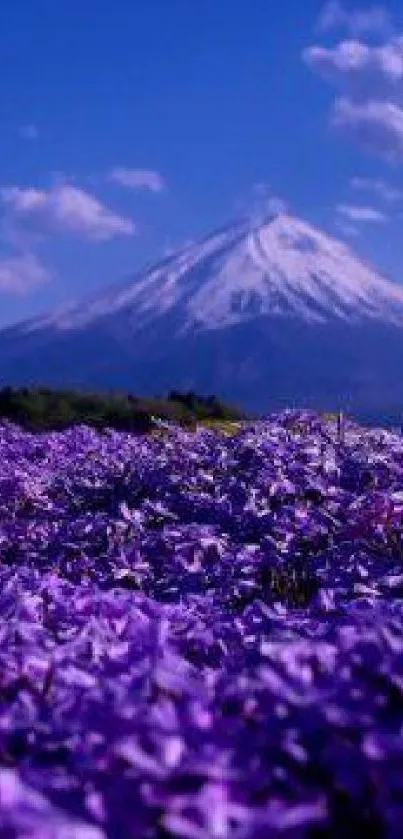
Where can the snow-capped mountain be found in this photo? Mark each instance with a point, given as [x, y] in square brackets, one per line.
[281, 268]
[265, 313]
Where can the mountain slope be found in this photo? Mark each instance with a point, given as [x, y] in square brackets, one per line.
[267, 314]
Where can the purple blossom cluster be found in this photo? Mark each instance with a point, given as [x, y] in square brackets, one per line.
[201, 635]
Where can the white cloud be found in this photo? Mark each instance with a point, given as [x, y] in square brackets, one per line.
[376, 125]
[374, 20]
[359, 67]
[369, 79]
[67, 209]
[29, 132]
[379, 187]
[137, 179]
[22, 272]
[361, 214]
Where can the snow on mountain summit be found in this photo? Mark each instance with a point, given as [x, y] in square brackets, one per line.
[288, 268]
[279, 267]
[268, 314]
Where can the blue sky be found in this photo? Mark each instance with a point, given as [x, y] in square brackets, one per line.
[129, 128]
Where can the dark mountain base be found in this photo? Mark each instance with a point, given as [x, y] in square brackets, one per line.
[263, 365]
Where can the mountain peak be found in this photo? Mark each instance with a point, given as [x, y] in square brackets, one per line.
[268, 311]
[282, 266]
[277, 266]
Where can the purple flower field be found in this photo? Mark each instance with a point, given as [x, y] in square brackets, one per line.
[201, 635]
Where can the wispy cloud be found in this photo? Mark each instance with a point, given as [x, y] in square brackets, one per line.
[260, 202]
[66, 209]
[373, 20]
[376, 125]
[20, 273]
[360, 214]
[173, 248]
[349, 231]
[29, 131]
[275, 206]
[378, 187]
[137, 178]
[369, 83]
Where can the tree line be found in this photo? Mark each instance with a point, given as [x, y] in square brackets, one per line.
[43, 409]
